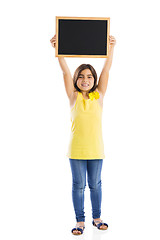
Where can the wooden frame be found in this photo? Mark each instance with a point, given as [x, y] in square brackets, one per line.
[105, 21]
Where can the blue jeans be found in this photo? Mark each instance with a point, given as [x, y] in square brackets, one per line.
[79, 169]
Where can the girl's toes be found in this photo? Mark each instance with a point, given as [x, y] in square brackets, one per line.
[104, 227]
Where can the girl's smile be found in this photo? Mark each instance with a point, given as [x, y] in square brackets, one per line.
[84, 84]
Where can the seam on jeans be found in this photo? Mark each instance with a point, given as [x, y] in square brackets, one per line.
[98, 170]
[97, 178]
[82, 182]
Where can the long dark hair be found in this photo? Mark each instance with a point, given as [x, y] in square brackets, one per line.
[77, 73]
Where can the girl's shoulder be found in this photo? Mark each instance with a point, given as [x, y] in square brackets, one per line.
[100, 97]
[73, 98]
[99, 92]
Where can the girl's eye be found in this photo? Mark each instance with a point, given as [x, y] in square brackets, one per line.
[82, 77]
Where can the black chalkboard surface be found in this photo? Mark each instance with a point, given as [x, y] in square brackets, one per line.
[82, 37]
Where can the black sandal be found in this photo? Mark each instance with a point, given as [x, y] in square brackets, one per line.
[100, 223]
[79, 228]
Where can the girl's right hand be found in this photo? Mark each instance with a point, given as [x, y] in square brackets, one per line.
[53, 41]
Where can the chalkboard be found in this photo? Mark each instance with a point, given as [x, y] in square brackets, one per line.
[82, 37]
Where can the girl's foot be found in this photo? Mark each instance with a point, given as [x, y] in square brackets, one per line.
[78, 225]
[98, 221]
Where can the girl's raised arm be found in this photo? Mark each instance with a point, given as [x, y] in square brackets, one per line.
[103, 79]
[68, 81]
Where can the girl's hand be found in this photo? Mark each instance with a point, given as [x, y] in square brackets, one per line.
[112, 41]
[53, 41]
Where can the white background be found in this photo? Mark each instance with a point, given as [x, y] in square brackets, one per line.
[35, 175]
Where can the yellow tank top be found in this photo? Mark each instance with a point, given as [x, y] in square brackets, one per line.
[86, 140]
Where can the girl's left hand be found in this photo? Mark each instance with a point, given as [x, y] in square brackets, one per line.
[112, 41]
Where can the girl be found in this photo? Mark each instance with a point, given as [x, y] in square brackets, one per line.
[86, 149]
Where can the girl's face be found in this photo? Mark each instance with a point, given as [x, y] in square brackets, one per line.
[85, 80]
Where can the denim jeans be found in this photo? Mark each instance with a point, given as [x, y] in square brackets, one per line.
[93, 168]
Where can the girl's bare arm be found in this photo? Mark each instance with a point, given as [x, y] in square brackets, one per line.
[103, 79]
[68, 81]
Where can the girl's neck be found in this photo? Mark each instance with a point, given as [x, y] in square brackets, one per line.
[85, 94]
